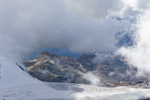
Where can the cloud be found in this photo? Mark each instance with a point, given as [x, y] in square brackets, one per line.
[138, 55]
[94, 80]
[97, 9]
[81, 26]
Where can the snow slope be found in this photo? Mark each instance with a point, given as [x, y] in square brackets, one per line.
[11, 75]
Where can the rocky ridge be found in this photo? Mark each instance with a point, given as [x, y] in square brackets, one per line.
[110, 70]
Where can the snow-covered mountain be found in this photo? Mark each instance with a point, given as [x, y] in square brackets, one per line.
[16, 84]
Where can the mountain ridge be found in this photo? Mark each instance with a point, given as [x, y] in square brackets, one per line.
[50, 67]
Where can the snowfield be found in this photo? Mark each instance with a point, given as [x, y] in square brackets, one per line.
[16, 84]
[62, 91]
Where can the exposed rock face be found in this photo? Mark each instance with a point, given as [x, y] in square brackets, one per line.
[52, 68]
[49, 67]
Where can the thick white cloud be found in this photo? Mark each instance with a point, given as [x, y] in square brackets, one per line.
[80, 25]
[139, 54]
[137, 4]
